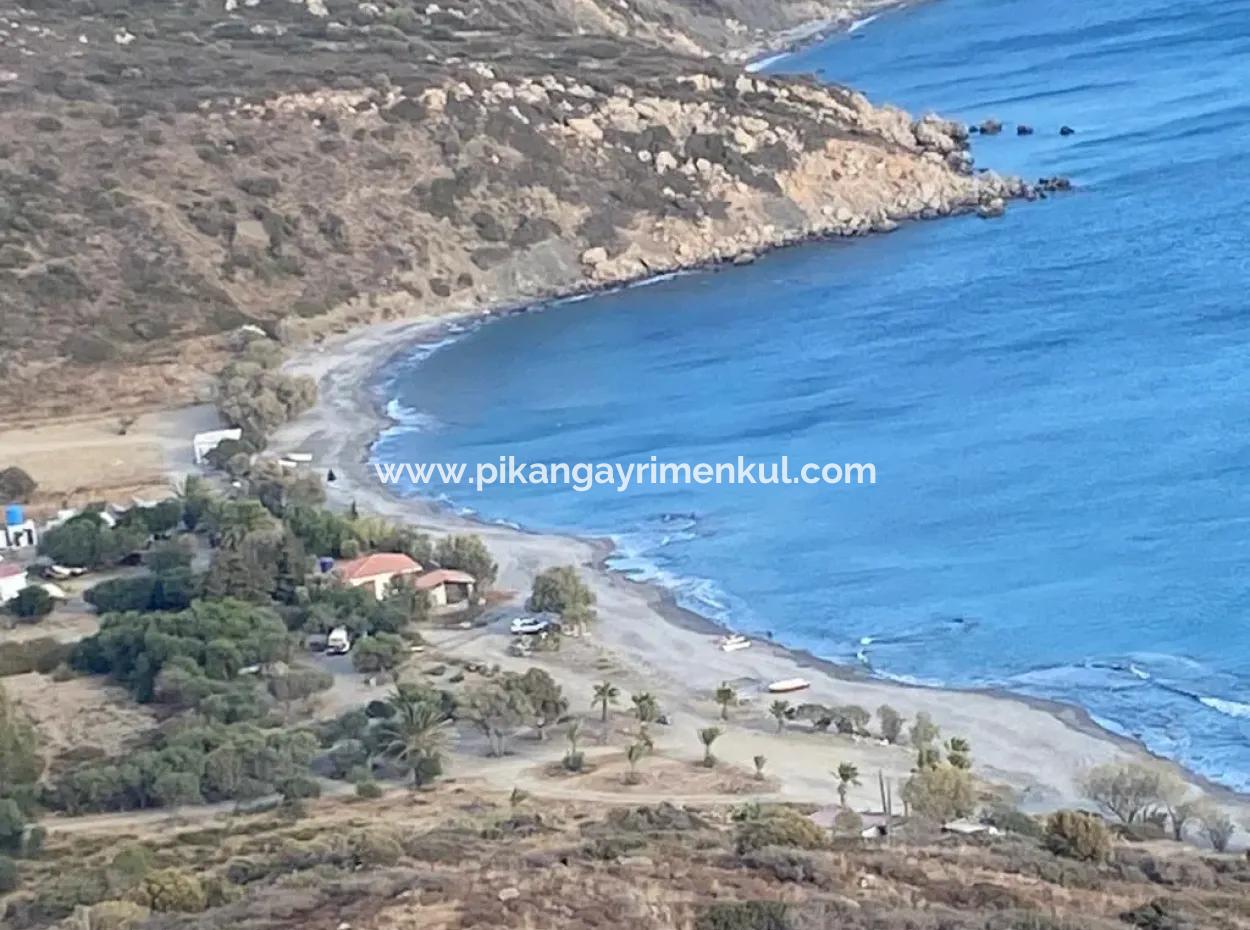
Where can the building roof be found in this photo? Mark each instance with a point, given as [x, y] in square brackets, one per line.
[11, 569]
[378, 563]
[443, 576]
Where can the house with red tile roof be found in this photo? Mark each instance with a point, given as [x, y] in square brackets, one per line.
[377, 570]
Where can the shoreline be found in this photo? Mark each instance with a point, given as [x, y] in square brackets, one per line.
[1038, 745]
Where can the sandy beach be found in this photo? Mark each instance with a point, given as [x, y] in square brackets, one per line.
[644, 641]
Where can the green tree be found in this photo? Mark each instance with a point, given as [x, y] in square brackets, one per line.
[557, 590]
[891, 723]
[32, 603]
[9, 878]
[848, 775]
[467, 554]
[646, 707]
[415, 736]
[725, 696]
[633, 755]
[12, 825]
[779, 710]
[959, 752]
[708, 736]
[605, 694]
[20, 764]
[573, 758]
[1131, 791]
[940, 794]
[16, 485]
[1078, 835]
[545, 696]
[498, 711]
[923, 731]
[379, 653]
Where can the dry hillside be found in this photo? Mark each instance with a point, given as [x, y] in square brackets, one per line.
[173, 169]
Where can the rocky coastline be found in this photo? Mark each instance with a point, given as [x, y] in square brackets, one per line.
[310, 168]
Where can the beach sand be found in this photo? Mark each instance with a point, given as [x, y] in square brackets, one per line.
[643, 641]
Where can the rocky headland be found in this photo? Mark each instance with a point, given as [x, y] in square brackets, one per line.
[173, 170]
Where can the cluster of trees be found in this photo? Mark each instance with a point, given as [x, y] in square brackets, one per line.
[215, 762]
[86, 541]
[171, 585]
[20, 769]
[849, 719]
[255, 396]
[183, 657]
[561, 591]
[1151, 796]
[30, 604]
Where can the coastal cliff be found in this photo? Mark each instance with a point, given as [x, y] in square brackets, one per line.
[175, 170]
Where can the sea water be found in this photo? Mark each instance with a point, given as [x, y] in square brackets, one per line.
[1056, 402]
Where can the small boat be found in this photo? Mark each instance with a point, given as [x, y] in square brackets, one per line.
[733, 642]
[786, 685]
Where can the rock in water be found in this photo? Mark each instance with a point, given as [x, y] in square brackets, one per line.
[992, 208]
[1023, 130]
[1066, 130]
[991, 127]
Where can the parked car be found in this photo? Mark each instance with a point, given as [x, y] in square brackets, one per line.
[528, 626]
[338, 642]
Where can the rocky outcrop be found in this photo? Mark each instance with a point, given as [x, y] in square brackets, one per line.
[306, 169]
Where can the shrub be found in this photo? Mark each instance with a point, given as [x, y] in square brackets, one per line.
[1132, 790]
[376, 848]
[116, 915]
[12, 825]
[786, 865]
[299, 788]
[31, 603]
[8, 874]
[381, 652]
[891, 723]
[171, 890]
[1078, 835]
[848, 823]
[368, 789]
[1011, 820]
[33, 655]
[940, 794]
[779, 827]
[16, 485]
[745, 915]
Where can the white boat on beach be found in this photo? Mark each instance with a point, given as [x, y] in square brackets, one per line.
[786, 685]
[733, 642]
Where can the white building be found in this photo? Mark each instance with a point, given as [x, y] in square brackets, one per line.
[204, 443]
[12, 580]
[18, 535]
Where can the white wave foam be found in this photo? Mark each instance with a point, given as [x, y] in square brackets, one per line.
[861, 23]
[1227, 707]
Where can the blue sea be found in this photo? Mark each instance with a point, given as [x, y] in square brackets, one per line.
[1056, 402]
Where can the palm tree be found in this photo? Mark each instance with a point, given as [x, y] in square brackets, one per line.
[707, 736]
[646, 707]
[779, 709]
[605, 694]
[725, 695]
[632, 755]
[759, 767]
[848, 775]
[415, 735]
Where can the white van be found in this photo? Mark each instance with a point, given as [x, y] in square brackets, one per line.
[338, 642]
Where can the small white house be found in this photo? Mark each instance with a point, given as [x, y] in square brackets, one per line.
[204, 443]
[12, 580]
[18, 535]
